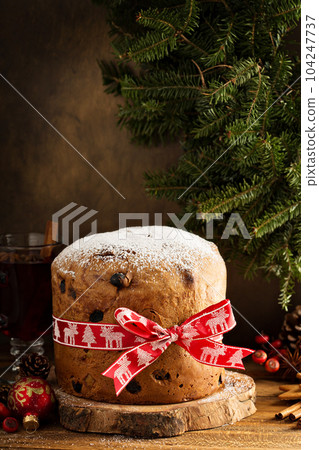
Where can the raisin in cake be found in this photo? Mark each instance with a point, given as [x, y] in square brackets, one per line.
[174, 274]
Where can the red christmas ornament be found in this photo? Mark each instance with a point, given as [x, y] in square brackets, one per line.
[10, 425]
[31, 398]
[261, 339]
[272, 365]
[259, 356]
[4, 412]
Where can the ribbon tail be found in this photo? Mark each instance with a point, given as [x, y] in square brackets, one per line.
[213, 353]
[240, 353]
[120, 382]
[133, 361]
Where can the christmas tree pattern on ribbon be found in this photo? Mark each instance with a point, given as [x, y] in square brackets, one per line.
[88, 336]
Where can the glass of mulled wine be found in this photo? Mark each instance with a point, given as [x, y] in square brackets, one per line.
[25, 290]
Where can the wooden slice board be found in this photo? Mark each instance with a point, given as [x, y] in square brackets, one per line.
[230, 404]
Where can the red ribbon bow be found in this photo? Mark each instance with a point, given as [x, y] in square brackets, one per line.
[145, 340]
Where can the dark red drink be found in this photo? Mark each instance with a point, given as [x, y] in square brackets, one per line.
[25, 298]
[25, 285]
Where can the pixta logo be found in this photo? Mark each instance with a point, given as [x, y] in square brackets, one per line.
[74, 212]
[234, 227]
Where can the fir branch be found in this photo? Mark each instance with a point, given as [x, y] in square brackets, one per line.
[229, 198]
[208, 128]
[253, 35]
[275, 218]
[251, 267]
[144, 49]
[288, 280]
[223, 43]
[159, 88]
[121, 31]
[297, 8]
[256, 96]
[281, 64]
[199, 170]
[293, 175]
[190, 14]
[187, 41]
[217, 67]
[148, 20]
[200, 73]
[206, 70]
[272, 43]
[239, 74]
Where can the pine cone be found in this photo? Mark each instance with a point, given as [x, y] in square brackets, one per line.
[34, 365]
[4, 391]
[291, 330]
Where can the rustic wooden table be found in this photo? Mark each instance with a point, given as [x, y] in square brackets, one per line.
[259, 431]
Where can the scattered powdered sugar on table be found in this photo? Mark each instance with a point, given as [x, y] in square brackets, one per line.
[235, 384]
[157, 246]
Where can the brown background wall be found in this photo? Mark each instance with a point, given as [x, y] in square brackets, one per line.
[48, 52]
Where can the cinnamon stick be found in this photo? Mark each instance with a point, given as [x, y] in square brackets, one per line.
[286, 412]
[299, 423]
[4, 256]
[289, 387]
[295, 415]
[50, 237]
[292, 394]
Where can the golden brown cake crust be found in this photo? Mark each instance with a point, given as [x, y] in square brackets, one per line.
[175, 274]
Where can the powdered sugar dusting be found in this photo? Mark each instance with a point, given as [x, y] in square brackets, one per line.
[235, 384]
[162, 247]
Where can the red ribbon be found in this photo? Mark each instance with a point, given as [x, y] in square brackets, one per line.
[145, 340]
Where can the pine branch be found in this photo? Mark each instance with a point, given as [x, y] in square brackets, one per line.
[150, 48]
[209, 74]
[192, 14]
[230, 197]
[276, 218]
[256, 96]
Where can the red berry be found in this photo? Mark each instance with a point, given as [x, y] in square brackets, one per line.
[4, 412]
[259, 356]
[10, 425]
[262, 339]
[272, 365]
[276, 344]
[283, 352]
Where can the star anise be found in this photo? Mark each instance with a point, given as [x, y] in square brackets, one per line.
[291, 363]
